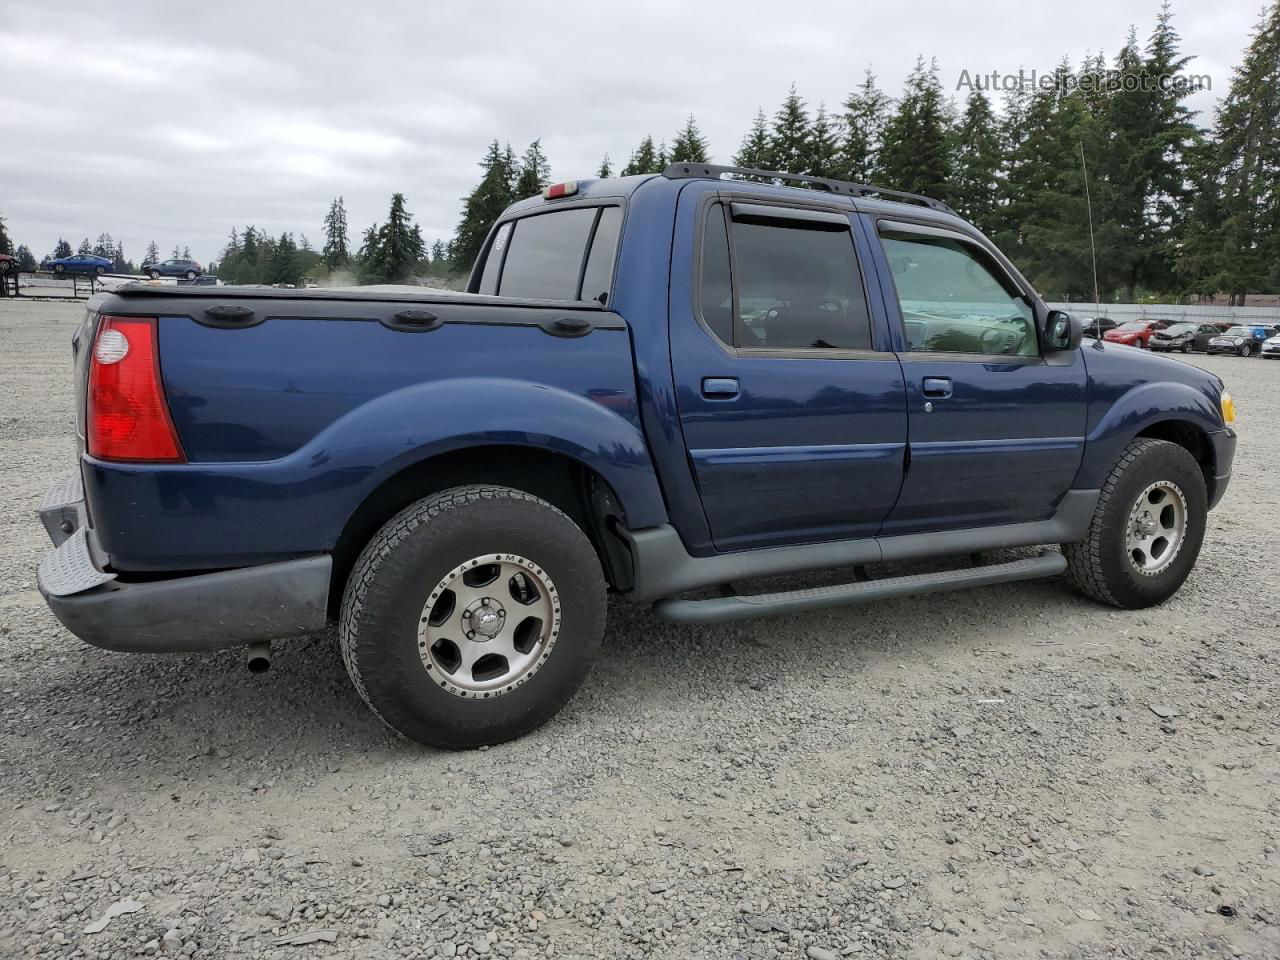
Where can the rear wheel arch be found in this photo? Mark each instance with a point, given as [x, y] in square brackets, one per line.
[567, 484]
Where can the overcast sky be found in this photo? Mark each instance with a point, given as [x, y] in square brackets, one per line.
[174, 122]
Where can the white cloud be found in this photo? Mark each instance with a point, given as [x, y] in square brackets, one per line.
[174, 128]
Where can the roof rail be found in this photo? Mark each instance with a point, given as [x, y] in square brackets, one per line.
[711, 171]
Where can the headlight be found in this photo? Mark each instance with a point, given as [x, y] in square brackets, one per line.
[1228, 406]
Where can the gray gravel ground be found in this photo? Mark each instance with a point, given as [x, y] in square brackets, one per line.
[1011, 772]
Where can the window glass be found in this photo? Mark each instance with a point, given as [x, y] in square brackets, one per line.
[953, 303]
[599, 272]
[715, 291]
[798, 288]
[493, 262]
[544, 261]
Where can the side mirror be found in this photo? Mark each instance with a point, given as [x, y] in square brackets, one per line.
[1062, 331]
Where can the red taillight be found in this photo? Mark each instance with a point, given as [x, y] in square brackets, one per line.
[127, 415]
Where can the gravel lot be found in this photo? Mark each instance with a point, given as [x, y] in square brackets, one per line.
[1011, 772]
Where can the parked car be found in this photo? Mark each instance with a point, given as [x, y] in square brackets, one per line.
[616, 404]
[177, 267]
[1095, 327]
[1184, 337]
[8, 264]
[1134, 333]
[81, 263]
[1243, 340]
[1271, 347]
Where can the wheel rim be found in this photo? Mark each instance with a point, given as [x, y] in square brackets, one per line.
[1156, 528]
[489, 625]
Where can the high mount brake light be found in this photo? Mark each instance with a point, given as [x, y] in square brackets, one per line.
[557, 190]
[127, 417]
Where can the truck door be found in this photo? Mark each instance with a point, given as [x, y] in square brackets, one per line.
[791, 400]
[996, 428]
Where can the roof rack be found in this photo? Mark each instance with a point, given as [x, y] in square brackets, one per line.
[711, 171]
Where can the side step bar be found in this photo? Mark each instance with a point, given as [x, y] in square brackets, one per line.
[723, 609]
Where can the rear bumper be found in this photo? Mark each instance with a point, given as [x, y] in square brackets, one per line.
[206, 611]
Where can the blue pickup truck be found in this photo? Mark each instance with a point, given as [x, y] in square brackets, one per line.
[668, 387]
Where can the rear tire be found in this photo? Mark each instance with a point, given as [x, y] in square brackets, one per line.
[190, 275]
[402, 635]
[1156, 491]
[154, 274]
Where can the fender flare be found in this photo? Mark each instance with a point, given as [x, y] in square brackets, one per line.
[399, 429]
[1133, 412]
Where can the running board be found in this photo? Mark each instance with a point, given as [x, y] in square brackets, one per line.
[722, 609]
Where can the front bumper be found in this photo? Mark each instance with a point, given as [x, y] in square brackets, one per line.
[1224, 452]
[207, 611]
[1163, 345]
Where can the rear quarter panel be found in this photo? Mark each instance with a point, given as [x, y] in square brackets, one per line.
[290, 424]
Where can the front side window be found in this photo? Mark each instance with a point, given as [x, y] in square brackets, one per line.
[782, 284]
[953, 302]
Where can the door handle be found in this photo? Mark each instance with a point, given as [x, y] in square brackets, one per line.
[937, 387]
[720, 388]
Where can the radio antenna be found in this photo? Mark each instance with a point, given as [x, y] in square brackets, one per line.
[1093, 247]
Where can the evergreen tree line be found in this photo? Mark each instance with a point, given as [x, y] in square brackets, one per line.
[1178, 210]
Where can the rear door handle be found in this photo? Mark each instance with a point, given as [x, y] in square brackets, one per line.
[937, 387]
[720, 388]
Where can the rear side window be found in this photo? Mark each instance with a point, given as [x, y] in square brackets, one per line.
[788, 284]
[493, 263]
[565, 255]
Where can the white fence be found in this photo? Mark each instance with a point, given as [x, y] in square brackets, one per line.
[1191, 312]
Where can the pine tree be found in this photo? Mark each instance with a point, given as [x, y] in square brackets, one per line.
[978, 155]
[6, 245]
[789, 144]
[824, 146]
[118, 262]
[153, 252]
[399, 249]
[866, 112]
[26, 259]
[484, 205]
[645, 159]
[535, 172]
[335, 251]
[61, 249]
[284, 262]
[605, 171]
[85, 247]
[438, 252]
[1044, 221]
[1233, 243]
[917, 145]
[186, 253]
[689, 145]
[756, 151]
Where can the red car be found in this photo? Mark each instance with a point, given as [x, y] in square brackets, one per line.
[1134, 333]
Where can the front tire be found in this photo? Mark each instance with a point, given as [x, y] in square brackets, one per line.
[1147, 528]
[1186, 347]
[473, 616]
[1243, 350]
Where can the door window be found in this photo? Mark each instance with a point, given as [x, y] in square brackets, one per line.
[953, 301]
[782, 284]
